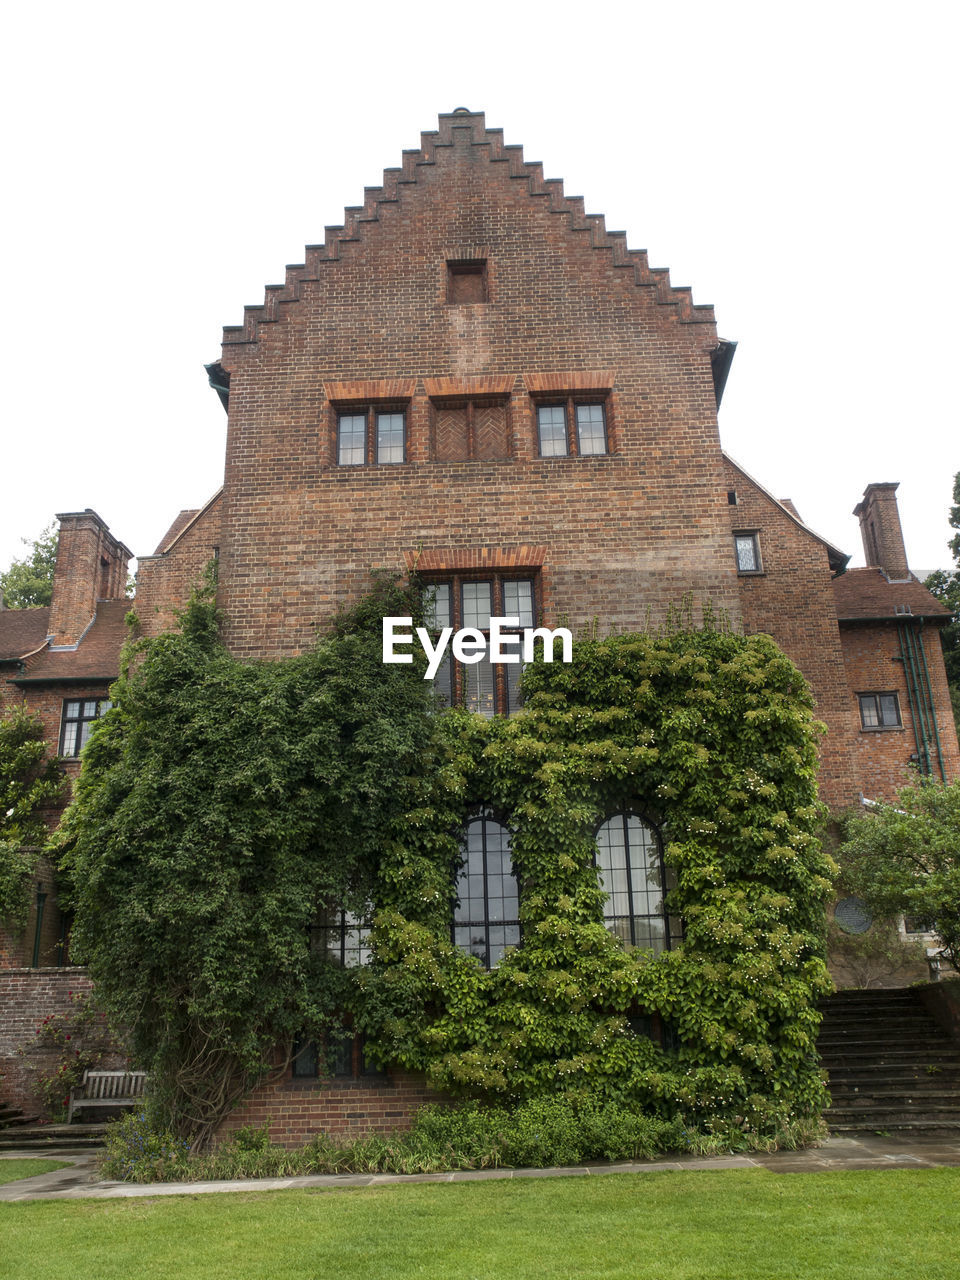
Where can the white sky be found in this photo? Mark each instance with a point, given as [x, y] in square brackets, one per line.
[795, 165]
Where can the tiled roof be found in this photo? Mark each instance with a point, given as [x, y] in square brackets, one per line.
[96, 658]
[178, 526]
[868, 593]
[22, 631]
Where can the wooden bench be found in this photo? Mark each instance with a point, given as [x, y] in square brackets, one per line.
[107, 1089]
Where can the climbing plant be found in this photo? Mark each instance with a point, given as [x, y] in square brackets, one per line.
[30, 781]
[223, 806]
[710, 736]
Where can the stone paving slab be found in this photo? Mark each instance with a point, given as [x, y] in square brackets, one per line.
[863, 1152]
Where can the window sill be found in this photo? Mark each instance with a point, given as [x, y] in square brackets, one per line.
[882, 728]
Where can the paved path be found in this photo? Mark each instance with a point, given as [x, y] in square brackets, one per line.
[850, 1151]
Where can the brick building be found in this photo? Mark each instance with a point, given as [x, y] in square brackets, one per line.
[474, 376]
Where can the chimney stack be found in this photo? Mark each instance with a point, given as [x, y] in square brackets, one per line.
[881, 532]
[91, 566]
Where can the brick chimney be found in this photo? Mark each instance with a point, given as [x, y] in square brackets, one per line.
[91, 566]
[881, 532]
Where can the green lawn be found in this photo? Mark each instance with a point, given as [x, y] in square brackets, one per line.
[13, 1170]
[730, 1225]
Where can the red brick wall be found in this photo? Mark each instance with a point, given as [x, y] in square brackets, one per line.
[296, 1110]
[792, 601]
[627, 534]
[164, 582]
[27, 996]
[872, 655]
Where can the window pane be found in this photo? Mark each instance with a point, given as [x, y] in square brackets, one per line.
[869, 717]
[478, 686]
[889, 710]
[518, 601]
[72, 710]
[90, 710]
[443, 682]
[552, 430]
[352, 445]
[305, 1058]
[477, 604]
[436, 605]
[591, 432]
[747, 553]
[390, 437]
[513, 673]
[70, 738]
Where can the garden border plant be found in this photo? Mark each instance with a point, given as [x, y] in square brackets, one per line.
[222, 805]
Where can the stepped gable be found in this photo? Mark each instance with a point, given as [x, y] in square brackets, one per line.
[432, 146]
[22, 631]
[95, 658]
[864, 594]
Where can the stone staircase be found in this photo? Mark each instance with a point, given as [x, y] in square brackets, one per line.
[891, 1066]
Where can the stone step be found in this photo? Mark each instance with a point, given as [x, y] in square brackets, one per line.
[65, 1137]
[907, 1026]
[898, 1044]
[885, 1117]
[887, 1097]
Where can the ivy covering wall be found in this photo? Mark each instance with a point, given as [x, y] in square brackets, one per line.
[222, 807]
[708, 735]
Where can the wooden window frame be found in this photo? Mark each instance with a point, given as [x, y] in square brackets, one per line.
[881, 726]
[496, 577]
[80, 721]
[371, 413]
[570, 404]
[754, 535]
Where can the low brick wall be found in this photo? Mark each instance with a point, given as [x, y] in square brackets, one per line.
[297, 1110]
[27, 996]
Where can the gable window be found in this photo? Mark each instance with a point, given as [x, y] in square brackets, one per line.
[879, 711]
[570, 428]
[630, 862]
[460, 602]
[78, 719]
[747, 550]
[371, 436]
[486, 915]
[467, 281]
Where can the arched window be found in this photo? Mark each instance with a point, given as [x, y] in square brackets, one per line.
[486, 915]
[630, 862]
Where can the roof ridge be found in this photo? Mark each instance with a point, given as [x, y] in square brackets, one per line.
[355, 217]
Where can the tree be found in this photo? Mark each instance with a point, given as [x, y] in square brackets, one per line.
[223, 809]
[904, 858]
[29, 782]
[29, 582]
[945, 585]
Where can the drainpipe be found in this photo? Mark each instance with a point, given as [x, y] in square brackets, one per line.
[41, 899]
[933, 715]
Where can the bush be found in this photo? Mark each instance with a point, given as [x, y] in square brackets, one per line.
[539, 1134]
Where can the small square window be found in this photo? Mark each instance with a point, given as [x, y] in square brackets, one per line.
[467, 281]
[747, 549]
[879, 711]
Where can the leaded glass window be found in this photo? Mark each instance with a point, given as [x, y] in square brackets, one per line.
[486, 916]
[632, 875]
[79, 717]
